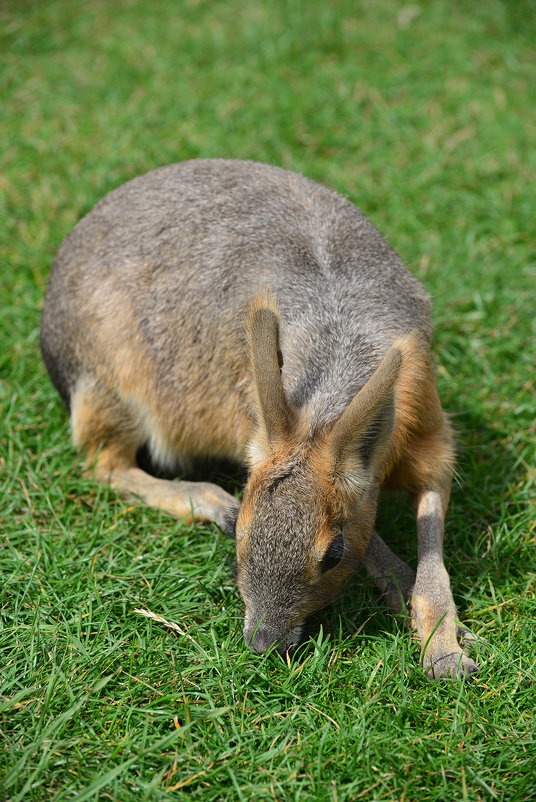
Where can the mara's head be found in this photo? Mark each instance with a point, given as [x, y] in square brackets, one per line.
[310, 502]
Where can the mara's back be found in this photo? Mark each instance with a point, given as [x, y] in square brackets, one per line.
[148, 295]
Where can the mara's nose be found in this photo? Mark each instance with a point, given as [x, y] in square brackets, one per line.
[260, 638]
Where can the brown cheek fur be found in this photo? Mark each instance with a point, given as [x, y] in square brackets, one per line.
[358, 519]
[330, 501]
[341, 513]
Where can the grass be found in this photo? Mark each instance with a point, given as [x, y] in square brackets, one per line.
[421, 114]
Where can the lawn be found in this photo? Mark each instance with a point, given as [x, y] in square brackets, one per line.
[423, 115]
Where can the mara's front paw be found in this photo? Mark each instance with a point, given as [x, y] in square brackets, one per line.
[449, 666]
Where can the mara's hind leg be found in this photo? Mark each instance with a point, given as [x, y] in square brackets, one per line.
[105, 428]
[198, 501]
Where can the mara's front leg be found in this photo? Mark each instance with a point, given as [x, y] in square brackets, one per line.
[432, 605]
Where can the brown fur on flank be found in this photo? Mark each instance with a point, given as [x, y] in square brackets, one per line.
[220, 308]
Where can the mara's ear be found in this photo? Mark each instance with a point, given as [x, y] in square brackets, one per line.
[273, 409]
[359, 441]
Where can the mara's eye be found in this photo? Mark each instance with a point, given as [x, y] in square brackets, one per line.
[333, 555]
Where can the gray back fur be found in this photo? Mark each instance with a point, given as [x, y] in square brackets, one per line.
[188, 245]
